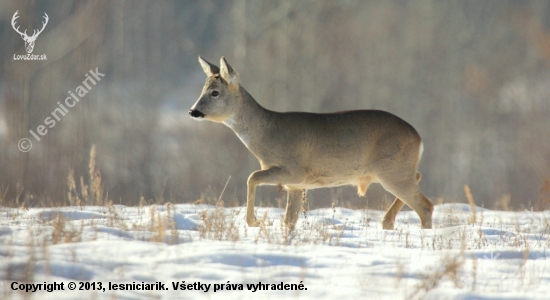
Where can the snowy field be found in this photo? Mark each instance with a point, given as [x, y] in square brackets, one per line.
[333, 254]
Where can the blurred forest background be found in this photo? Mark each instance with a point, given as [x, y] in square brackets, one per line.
[472, 76]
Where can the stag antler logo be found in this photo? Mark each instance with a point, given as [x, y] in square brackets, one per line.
[29, 40]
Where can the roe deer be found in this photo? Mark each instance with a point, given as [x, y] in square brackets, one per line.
[301, 151]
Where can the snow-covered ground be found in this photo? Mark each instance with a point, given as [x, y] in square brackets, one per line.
[333, 254]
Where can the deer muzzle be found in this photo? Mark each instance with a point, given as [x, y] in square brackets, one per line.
[196, 113]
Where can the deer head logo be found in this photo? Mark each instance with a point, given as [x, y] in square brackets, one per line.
[29, 40]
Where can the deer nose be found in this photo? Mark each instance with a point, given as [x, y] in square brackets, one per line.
[196, 113]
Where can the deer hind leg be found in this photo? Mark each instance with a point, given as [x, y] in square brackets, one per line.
[407, 192]
[389, 216]
[271, 176]
[428, 206]
[293, 206]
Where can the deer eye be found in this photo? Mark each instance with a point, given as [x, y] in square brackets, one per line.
[215, 94]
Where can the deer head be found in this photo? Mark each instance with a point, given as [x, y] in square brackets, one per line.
[29, 40]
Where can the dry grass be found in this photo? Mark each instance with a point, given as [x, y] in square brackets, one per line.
[65, 232]
[472, 204]
[114, 219]
[429, 281]
[226, 224]
[90, 193]
[218, 225]
[157, 224]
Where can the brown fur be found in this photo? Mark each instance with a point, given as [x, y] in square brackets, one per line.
[302, 151]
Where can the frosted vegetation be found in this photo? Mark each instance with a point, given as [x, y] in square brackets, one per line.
[333, 253]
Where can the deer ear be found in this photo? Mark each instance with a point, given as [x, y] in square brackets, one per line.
[208, 68]
[228, 74]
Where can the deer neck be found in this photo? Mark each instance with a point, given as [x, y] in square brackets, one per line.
[249, 116]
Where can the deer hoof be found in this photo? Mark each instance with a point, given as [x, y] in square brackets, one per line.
[387, 225]
[252, 222]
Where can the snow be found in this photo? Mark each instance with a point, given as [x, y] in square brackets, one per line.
[334, 253]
